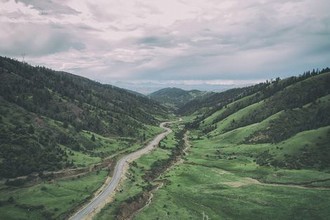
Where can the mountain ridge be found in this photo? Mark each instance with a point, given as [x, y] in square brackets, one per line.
[176, 97]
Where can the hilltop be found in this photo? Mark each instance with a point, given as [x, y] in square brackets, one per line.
[175, 97]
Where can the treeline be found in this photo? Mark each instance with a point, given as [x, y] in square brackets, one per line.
[83, 103]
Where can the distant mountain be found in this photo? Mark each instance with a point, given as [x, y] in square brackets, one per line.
[43, 113]
[175, 97]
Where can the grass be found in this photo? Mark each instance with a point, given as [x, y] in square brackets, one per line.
[135, 183]
[237, 116]
[56, 197]
[146, 160]
[195, 190]
[80, 159]
[108, 146]
[219, 179]
[209, 120]
[311, 138]
[240, 134]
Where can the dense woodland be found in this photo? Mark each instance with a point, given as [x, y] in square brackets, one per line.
[83, 103]
[42, 109]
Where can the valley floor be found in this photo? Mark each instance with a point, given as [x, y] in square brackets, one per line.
[203, 187]
[206, 185]
[187, 176]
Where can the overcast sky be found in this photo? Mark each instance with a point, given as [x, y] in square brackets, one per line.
[150, 44]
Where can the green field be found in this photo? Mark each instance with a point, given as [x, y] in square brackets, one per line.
[219, 194]
[235, 187]
[49, 199]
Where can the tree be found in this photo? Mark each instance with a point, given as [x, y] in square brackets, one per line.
[93, 137]
[65, 124]
[31, 129]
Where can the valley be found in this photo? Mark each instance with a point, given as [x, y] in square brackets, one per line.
[246, 160]
[255, 152]
[108, 190]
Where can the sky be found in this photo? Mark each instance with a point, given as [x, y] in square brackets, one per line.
[145, 45]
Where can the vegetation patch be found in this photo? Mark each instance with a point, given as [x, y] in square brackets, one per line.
[49, 200]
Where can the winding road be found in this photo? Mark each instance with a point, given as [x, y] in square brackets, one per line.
[121, 167]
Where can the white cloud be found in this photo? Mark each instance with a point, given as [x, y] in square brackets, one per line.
[169, 40]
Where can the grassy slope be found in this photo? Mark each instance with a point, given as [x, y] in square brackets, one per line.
[197, 190]
[220, 178]
[221, 188]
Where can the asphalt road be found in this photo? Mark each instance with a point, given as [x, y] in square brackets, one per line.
[117, 175]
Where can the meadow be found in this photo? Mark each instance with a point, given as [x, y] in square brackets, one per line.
[220, 179]
[50, 199]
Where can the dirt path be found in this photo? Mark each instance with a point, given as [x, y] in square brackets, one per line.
[250, 181]
[151, 196]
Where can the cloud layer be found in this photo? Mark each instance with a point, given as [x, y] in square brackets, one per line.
[173, 40]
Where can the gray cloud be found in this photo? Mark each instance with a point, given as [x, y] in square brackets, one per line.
[177, 40]
[49, 7]
[36, 40]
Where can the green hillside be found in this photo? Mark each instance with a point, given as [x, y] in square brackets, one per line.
[260, 152]
[48, 115]
[273, 115]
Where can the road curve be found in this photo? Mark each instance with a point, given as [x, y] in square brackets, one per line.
[118, 173]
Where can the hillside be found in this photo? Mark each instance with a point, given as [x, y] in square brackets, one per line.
[175, 97]
[274, 113]
[216, 101]
[50, 117]
[260, 152]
